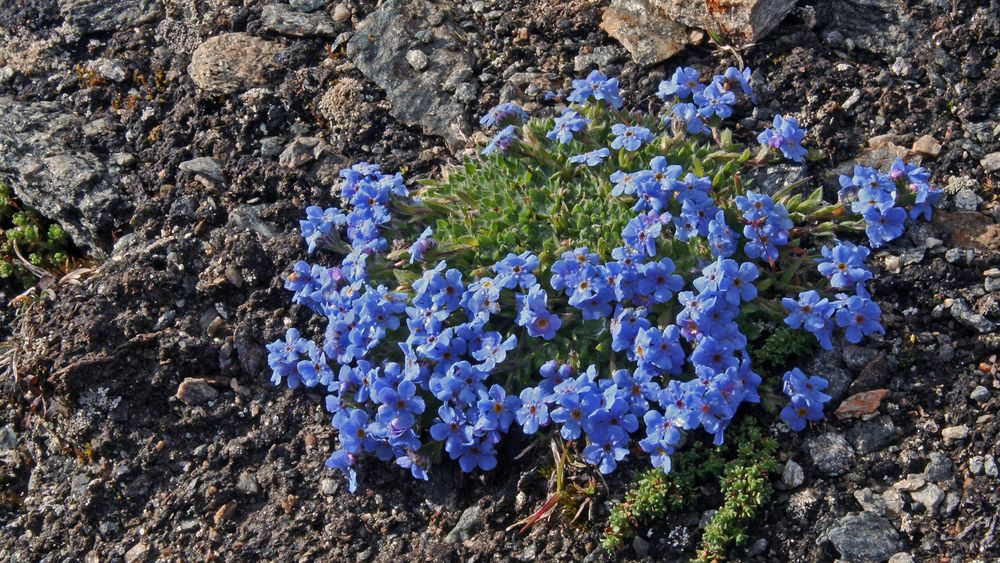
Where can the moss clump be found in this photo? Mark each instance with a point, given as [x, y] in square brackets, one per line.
[742, 469]
[656, 493]
[781, 348]
[42, 244]
[745, 487]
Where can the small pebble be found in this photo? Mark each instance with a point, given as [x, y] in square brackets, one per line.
[417, 59]
[341, 13]
[980, 394]
[954, 434]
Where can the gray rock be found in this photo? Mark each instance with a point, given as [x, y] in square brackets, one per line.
[286, 20]
[929, 496]
[863, 536]
[379, 47]
[329, 486]
[901, 557]
[417, 59]
[990, 466]
[871, 502]
[828, 364]
[468, 523]
[773, 178]
[940, 468]
[109, 69]
[757, 548]
[196, 391]
[654, 30]
[878, 26]
[301, 151]
[205, 167]
[8, 438]
[962, 313]
[307, 6]
[600, 57]
[138, 553]
[831, 453]
[980, 394]
[870, 436]
[645, 31]
[78, 484]
[793, 475]
[991, 161]
[992, 283]
[92, 16]
[341, 13]
[857, 357]
[640, 546]
[232, 61]
[42, 159]
[976, 465]
[951, 501]
[967, 200]
[247, 483]
[954, 434]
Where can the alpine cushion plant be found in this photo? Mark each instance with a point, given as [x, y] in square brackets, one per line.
[585, 278]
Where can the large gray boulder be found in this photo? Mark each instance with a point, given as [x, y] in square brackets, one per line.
[434, 96]
[42, 156]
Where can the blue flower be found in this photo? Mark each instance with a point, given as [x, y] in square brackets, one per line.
[343, 461]
[604, 451]
[501, 141]
[641, 232]
[884, 226]
[422, 245]
[504, 113]
[534, 411]
[908, 173]
[496, 409]
[630, 137]
[592, 158]
[596, 86]
[786, 136]
[844, 264]
[860, 317]
[809, 312]
[806, 398]
[734, 77]
[713, 100]
[628, 183]
[566, 124]
[689, 117]
[494, 349]
[452, 429]
[533, 313]
[517, 270]
[400, 405]
[480, 453]
[682, 84]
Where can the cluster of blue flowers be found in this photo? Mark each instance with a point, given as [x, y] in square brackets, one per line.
[805, 398]
[419, 365]
[877, 197]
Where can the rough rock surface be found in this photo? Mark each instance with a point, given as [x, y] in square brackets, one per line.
[44, 155]
[863, 536]
[287, 20]
[655, 30]
[427, 97]
[232, 61]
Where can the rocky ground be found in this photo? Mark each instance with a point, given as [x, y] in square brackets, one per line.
[178, 142]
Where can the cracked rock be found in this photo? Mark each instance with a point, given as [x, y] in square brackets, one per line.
[379, 49]
[231, 62]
